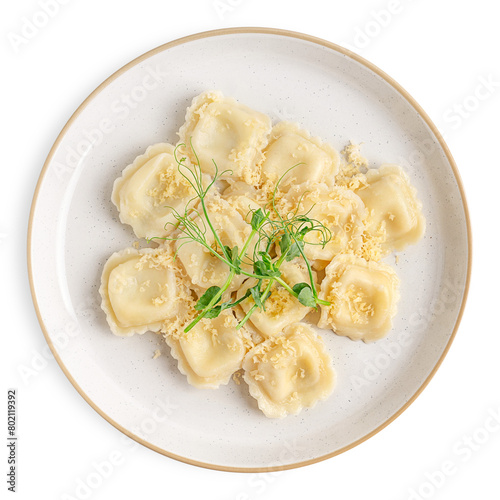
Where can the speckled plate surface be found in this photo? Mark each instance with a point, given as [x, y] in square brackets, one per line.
[74, 228]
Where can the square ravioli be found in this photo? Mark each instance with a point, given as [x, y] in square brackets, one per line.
[363, 296]
[140, 289]
[227, 133]
[339, 210]
[289, 372]
[210, 352]
[150, 190]
[395, 212]
[309, 159]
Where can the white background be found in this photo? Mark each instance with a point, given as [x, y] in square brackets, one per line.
[442, 52]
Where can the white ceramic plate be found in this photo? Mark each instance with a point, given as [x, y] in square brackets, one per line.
[74, 228]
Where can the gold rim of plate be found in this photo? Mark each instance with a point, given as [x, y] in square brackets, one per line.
[267, 31]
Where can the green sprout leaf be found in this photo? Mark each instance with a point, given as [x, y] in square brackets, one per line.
[205, 299]
[255, 291]
[266, 258]
[257, 219]
[260, 268]
[295, 250]
[306, 297]
[300, 286]
[234, 258]
[213, 313]
[285, 243]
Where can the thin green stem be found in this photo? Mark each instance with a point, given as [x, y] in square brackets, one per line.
[286, 287]
[247, 315]
[247, 243]
[216, 236]
[263, 297]
[323, 302]
[309, 269]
